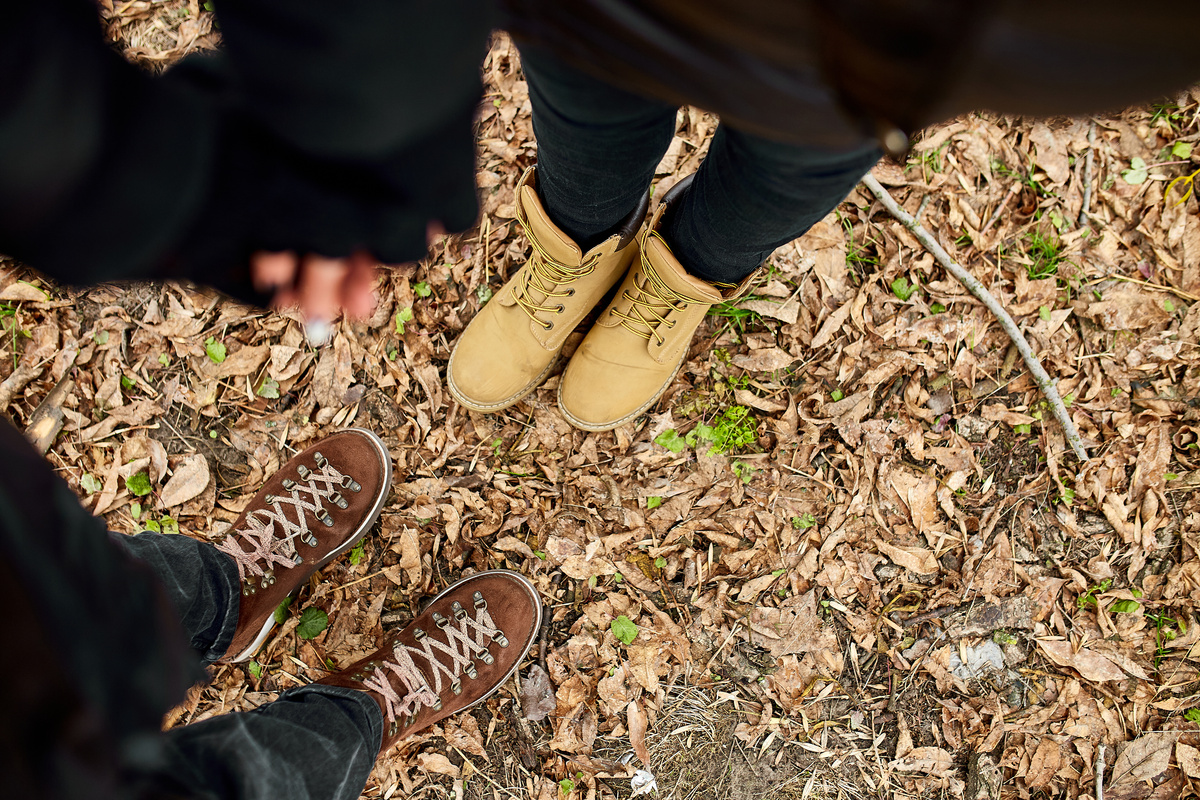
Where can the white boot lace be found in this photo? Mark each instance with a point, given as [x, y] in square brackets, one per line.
[268, 537]
[466, 640]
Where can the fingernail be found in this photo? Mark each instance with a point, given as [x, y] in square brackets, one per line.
[318, 332]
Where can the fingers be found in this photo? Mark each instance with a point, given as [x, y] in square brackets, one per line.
[319, 289]
[273, 271]
[358, 290]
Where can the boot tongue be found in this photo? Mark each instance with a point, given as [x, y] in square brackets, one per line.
[672, 273]
[554, 242]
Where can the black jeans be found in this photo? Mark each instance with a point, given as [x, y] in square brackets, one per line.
[598, 146]
[104, 634]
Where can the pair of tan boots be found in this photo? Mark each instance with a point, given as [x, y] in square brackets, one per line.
[631, 354]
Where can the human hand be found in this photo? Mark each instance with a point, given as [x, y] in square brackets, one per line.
[320, 287]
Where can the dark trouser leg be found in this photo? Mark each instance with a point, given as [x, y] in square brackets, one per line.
[597, 146]
[752, 195]
[97, 658]
[313, 743]
[200, 581]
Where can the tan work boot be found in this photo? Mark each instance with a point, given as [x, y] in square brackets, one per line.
[632, 353]
[511, 344]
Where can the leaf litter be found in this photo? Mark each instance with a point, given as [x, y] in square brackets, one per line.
[794, 611]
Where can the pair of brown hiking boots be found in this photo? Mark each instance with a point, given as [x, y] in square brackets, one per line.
[633, 351]
[458, 651]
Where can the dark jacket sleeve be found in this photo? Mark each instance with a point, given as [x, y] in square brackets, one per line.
[323, 129]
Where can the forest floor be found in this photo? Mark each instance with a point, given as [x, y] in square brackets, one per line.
[848, 554]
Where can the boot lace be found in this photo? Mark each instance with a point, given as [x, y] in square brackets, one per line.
[466, 639]
[651, 301]
[544, 277]
[269, 535]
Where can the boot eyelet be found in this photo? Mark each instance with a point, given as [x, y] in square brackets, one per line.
[560, 309]
[570, 293]
[351, 484]
[289, 484]
[270, 499]
[321, 460]
[548, 325]
[472, 673]
[480, 603]
[440, 621]
[456, 687]
[459, 612]
[419, 634]
[499, 638]
[438, 705]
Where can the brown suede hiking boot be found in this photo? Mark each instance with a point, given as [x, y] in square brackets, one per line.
[630, 356]
[512, 343]
[314, 509]
[454, 655]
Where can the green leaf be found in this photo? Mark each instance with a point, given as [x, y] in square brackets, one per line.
[215, 350]
[566, 786]
[164, 359]
[1192, 715]
[1125, 606]
[901, 288]
[624, 629]
[255, 669]
[660, 562]
[269, 389]
[169, 525]
[312, 622]
[402, 316]
[1168, 306]
[212, 434]
[777, 573]
[541, 554]
[836, 395]
[100, 337]
[208, 6]
[937, 308]
[135, 510]
[1182, 150]
[281, 610]
[1044, 313]
[127, 382]
[422, 289]
[90, 483]
[138, 484]
[1022, 428]
[671, 440]
[484, 293]
[1170, 476]
[653, 502]
[1137, 172]
[804, 521]
[618, 577]
[356, 553]
[153, 525]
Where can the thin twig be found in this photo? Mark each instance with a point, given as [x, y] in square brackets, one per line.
[1100, 772]
[1000, 208]
[1087, 176]
[1044, 382]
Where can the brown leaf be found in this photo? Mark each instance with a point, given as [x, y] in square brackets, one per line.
[190, 480]
[436, 762]
[1143, 759]
[1188, 759]
[1044, 764]
[919, 560]
[1088, 663]
[637, 731]
[793, 627]
[537, 695]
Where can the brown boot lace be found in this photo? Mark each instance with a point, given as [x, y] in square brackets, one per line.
[466, 640]
[271, 536]
[651, 301]
[544, 276]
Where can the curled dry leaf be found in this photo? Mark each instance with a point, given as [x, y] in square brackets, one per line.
[1088, 663]
[537, 695]
[637, 730]
[189, 481]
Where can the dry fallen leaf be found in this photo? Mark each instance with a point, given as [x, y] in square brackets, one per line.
[537, 695]
[1088, 663]
[189, 481]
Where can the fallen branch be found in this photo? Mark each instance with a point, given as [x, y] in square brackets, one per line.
[1044, 382]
